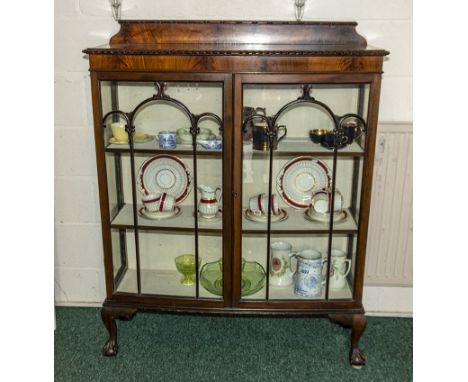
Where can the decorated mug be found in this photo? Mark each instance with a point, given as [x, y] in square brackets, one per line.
[281, 273]
[167, 139]
[340, 267]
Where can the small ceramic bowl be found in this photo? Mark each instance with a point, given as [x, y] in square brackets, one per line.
[185, 137]
[316, 135]
[211, 144]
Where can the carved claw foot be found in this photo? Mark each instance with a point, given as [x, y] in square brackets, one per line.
[357, 322]
[109, 315]
[110, 348]
[356, 358]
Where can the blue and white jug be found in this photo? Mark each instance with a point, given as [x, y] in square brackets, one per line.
[309, 278]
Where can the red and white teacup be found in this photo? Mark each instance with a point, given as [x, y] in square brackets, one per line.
[158, 202]
[258, 204]
[321, 202]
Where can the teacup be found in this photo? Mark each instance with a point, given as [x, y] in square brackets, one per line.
[167, 139]
[185, 137]
[317, 135]
[321, 202]
[158, 202]
[329, 141]
[118, 131]
[351, 129]
[258, 204]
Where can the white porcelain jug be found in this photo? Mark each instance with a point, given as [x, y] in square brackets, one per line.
[209, 204]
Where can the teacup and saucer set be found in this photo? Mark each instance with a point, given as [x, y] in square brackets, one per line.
[159, 206]
[321, 208]
[258, 209]
[305, 184]
[120, 136]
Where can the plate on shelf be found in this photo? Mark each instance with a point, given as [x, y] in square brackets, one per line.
[165, 173]
[160, 215]
[338, 216]
[253, 278]
[300, 178]
[282, 216]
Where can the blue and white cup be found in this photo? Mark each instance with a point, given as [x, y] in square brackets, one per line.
[167, 139]
[309, 278]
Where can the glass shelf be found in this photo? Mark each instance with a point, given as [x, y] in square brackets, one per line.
[287, 293]
[184, 222]
[303, 146]
[297, 223]
[161, 282]
[151, 147]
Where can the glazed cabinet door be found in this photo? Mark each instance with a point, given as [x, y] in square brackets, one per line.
[163, 140]
[300, 149]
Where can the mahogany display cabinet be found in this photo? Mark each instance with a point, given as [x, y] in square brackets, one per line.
[271, 126]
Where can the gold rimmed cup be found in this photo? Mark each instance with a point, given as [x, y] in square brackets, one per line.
[317, 134]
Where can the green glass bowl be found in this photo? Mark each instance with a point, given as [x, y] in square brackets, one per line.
[185, 264]
[253, 277]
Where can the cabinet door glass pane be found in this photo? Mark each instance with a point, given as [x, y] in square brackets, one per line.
[295, 179]
[165, 196]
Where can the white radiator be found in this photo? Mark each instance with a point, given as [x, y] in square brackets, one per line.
[390, 240]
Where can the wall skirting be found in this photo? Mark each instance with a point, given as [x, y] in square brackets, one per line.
[388, 301]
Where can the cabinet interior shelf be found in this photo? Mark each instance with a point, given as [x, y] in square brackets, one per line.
[296, 223]
[166, 283]
[287, 147]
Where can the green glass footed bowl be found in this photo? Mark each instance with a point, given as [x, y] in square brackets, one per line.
[253, 277]
[185, 264]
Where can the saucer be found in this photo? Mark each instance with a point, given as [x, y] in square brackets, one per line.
[142, 137]
[325, 218]
[114, 141]
[283, 215]
[137, 138]
[160, 215]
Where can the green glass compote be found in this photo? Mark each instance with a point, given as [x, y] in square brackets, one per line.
[185, 264]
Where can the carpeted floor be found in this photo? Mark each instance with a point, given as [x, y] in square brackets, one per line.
[170, 347]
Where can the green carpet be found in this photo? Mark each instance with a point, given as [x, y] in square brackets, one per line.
[170, 347]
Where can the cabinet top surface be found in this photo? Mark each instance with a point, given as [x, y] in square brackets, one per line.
[158, 37]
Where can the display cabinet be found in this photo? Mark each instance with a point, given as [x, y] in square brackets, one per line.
[235, 166]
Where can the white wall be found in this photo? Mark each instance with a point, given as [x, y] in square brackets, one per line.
[85, 23]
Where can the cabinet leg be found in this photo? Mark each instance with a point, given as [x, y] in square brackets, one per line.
[357, 323]
[109, 315]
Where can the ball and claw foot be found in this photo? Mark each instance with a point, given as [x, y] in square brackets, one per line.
[357, 323]
[110, 348]
[357, 359]
[109, 315]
